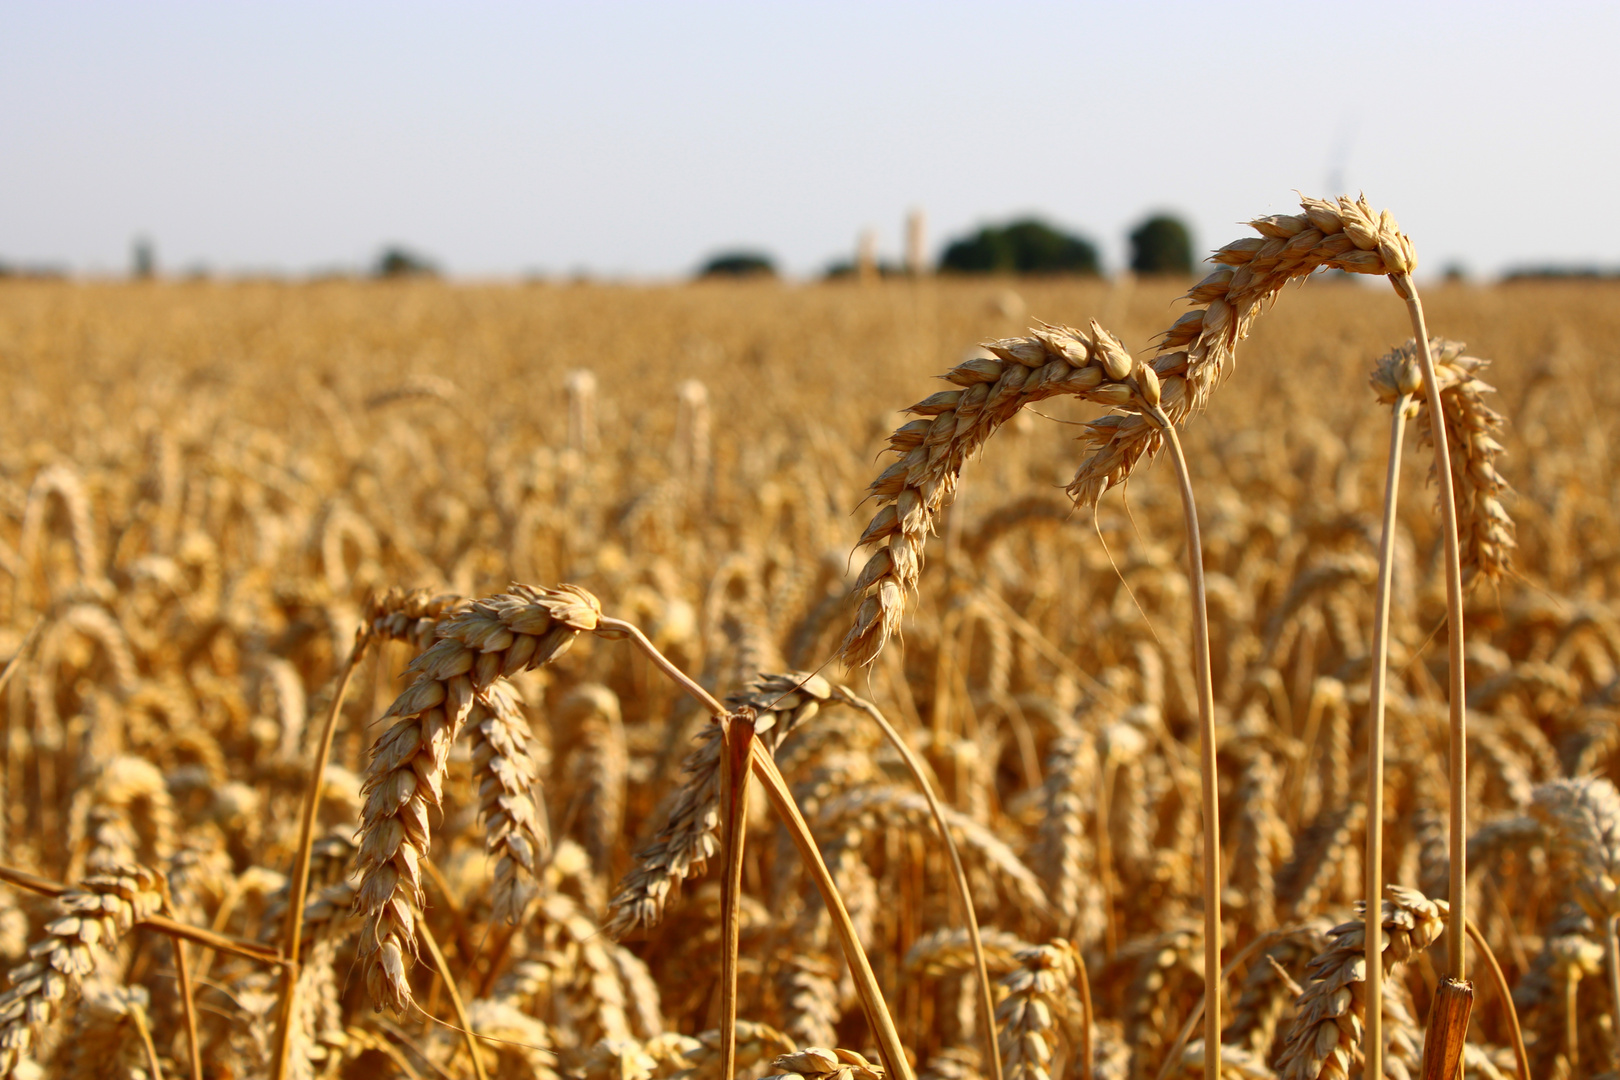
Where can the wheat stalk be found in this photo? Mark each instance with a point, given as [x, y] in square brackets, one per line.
[1396, 379]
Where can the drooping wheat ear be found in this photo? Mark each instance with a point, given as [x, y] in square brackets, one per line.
[98, 912]
[1485, 530]
[946, 952]
[1582, 818]
[409, 615]
[1341, 235]
[64, 482]
[954, 424]
[495, 637]
[1323, 1039]
[690, 833]
[601, 764]
[820, 1063]
[1198, 350]
[516, 835]
[1193, 355]
[1065, 853]
[127, 814]
[1038, 994]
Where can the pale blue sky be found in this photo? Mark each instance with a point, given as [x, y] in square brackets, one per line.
[635, 138]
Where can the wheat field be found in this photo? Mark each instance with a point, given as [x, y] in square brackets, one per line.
[214, 494]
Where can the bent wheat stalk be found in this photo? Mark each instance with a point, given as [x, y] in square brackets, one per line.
[1470, 427]
[292, 934]
[1192, 357]
[1457, 966]
[737, 733]
[781, 799]
[1397, 374]
[1207, 765]
[964, 894]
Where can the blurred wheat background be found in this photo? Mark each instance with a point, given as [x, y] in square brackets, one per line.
[207, 488]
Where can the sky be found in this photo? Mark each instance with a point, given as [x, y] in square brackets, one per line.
[633, 139]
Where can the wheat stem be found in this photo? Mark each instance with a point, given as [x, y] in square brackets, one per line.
[776, 789]
[1458, 752]
[467, 1034]
[737, 729]
[143, 1028]
[1611, 954]
[293, 933]
[1206, 754]
[618, 627]
[1373, 1033]
[188, 1007]
[1504, 993]
[866, 985]
[987, 1008]
[1088, 1016]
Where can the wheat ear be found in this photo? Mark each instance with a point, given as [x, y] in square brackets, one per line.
[1321, 1040]
[495, 637]
[820, 1063]
[1485, 529]
[1036, 997]
[99, 911]
[1583, 820]
[953, 424]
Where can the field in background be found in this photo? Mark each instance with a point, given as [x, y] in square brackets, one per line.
[201, 484]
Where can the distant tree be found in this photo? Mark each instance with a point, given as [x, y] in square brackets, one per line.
[738, 264]
[840, 269]
[1161, 245]
[398, 262]
[1028, 246]
[142, 259]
